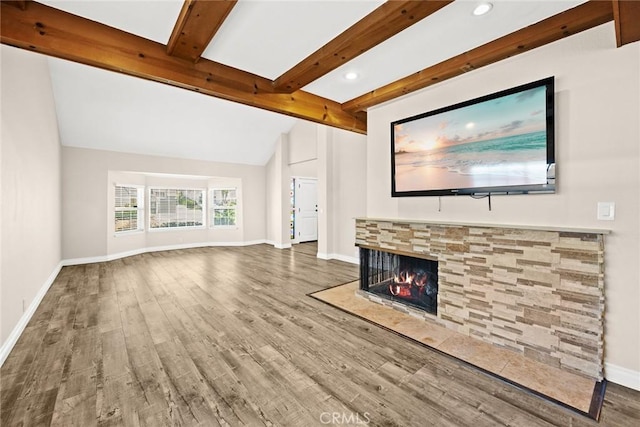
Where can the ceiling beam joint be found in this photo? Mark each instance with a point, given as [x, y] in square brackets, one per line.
[626, 14]
[567, 23]
[198, 22]
[384, 22]
[53, 32]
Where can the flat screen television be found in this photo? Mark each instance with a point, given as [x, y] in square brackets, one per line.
[502, 143]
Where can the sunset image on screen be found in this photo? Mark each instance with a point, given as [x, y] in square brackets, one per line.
[499, 142]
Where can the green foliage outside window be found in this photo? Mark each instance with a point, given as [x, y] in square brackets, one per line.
[224, 207]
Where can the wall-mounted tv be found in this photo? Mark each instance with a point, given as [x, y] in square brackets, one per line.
[502, 143]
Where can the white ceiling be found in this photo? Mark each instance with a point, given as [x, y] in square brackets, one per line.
[105, 110]
[270, 37]
[110, 111]
[449, 32]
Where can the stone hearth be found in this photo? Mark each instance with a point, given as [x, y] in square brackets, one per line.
[538, 292]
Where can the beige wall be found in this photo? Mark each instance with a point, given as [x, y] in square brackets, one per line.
[308, 169]
[337, 159]
[598, 157]
[30, 186]
[88, 178]
[341, 180]
[303, 150]
[277, 191]
[271, 191]
[325, 183]
[302, 142]
[349, 201]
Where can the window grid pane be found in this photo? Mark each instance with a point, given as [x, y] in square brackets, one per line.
[223, 212]
[175, 208]
[127, 209]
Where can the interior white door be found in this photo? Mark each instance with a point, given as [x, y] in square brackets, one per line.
[306, 219]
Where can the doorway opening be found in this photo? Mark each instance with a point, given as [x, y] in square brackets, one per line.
[304, 210]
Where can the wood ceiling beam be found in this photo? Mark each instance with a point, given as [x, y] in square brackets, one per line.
[572, 21]
[53, 32]
[386, 21]
[21, 4]
[198, 22]
[626, 14]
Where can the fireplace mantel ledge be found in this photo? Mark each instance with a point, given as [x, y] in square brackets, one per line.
[486, 225]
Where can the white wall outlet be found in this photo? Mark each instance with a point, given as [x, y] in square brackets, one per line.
[606, 211]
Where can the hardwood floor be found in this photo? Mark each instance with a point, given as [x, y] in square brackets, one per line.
[309, 248]
[227, 336]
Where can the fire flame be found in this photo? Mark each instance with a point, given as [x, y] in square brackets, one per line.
[405, 280]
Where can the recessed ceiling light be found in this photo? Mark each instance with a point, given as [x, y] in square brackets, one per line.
[482, 9]
[351, 75]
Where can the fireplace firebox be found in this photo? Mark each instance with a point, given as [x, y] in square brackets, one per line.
[409, 280]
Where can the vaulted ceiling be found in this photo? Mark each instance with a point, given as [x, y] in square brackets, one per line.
[287, 58]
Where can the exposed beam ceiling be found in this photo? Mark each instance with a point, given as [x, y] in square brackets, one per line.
[627, 16]
[50, 31]
[53, 32]
[580, 18]
[384, 22]
[198, 22]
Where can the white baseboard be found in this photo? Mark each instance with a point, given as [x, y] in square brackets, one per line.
[87, 260]
[339, 257]
[119, 255]
[13, 337]
[277, 245]
[345, 258]
[247, 243]
[623, 376]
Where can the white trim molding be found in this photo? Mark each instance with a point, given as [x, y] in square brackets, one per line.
[623, 376]
[87, 260]
[345, 258]
[119, 255]
[278, 245]
[339, 257]
[13, 337]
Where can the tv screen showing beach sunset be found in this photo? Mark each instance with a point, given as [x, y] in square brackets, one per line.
[495, 143]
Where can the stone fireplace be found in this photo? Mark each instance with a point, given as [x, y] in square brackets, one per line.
[538, 292]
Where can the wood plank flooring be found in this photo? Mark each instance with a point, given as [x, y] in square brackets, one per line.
[227, 336]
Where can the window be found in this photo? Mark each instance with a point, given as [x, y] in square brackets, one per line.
[129, 208]
[223, 207]
[175, 208]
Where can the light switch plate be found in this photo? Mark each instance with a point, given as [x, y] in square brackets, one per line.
[606, 211]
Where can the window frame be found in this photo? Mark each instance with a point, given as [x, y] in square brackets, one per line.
[213, 208]
[203, 192]
[139, 208]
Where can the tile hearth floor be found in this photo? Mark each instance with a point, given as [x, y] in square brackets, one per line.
[571, 389]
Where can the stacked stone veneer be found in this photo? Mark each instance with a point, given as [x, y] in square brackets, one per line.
[540, 293]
